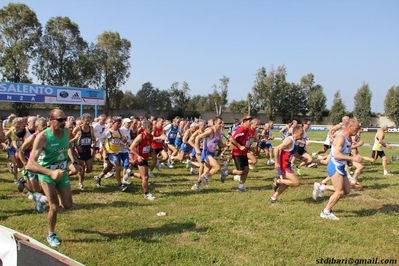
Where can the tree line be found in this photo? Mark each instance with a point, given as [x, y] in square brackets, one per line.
[59, 56]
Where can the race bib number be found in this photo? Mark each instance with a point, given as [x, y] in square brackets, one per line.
[172, 136]
[146, 149]
[60, 165]
[85, 141]
[116, 141]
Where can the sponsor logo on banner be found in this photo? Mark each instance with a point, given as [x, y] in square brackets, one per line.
[69, 95]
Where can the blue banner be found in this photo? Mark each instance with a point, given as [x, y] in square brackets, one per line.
[34, 93]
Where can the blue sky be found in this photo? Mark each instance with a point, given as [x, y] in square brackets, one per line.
[343, 43]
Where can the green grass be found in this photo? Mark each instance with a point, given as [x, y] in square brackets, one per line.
[218, 226]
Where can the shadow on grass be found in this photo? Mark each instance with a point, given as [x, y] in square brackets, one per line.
[148, 234]
[113, 204]
[386, 208]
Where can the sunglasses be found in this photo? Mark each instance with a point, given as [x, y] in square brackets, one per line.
[60, 119]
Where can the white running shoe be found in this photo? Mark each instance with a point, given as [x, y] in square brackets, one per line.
[251, 167]
[126, 177]
[330, 216]
[317, 193]
[242, 189]
[108, 175]
[170, 165]
[195, 187]
[193, 172]
[149, 196]
[237, 178]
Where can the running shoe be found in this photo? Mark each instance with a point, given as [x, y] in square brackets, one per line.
[21, 184]
[356, 185]
[330, 216]
[122, 187]
[195, 187]
[53, 240]
[108, 175]
[149, 196]
[98, 181]
[317, 193]
[276, 184]
[242, 189]
[298, 171]
[271, 200]
[81, 187]
[193, 172]
[126, 177]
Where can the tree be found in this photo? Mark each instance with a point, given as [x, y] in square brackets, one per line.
[219, 95]
[391, 104]
[293, 101]
[20, 32]
[239, 107]
[338, 109]
[362, 110]
[61, 55]
[263, 93]
[317, 103]
[151, 99]
[111, 56]
[180, 99]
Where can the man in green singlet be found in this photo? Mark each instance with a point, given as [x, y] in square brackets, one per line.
[52, 159]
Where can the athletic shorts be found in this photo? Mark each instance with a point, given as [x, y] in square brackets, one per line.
[142, 163]
[30, 175]
[113, 158]
[333, 168]
[156, 151]
[241, 162]
[301, 150]
[375, 154]
[186, 148]
[63, 183]
[85, 155]
[12, 151]
[205, 154]
[265, 146]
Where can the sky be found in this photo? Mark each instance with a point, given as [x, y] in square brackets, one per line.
[344, 43]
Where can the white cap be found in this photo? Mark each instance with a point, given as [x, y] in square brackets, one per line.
[126, 120]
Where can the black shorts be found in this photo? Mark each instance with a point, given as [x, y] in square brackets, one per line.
[85, 155]
[142, 163]
[375, 154]
[241, 162]
[301, 150]
[156, 151]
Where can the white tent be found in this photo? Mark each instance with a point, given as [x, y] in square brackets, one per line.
[19, 249]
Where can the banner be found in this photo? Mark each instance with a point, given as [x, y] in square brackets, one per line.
[34, 93]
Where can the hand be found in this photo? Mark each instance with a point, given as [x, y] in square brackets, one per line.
[388, 147]
[277, 165]
[357, 158]
[57, 175]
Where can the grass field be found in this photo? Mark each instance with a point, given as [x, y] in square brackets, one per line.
[219, 226]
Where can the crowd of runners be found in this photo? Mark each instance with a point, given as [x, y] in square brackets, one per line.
[46, 151]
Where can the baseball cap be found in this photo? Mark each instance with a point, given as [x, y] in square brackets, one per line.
[383, 125]
[126, 120]
[117, 120]
[236, 121]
